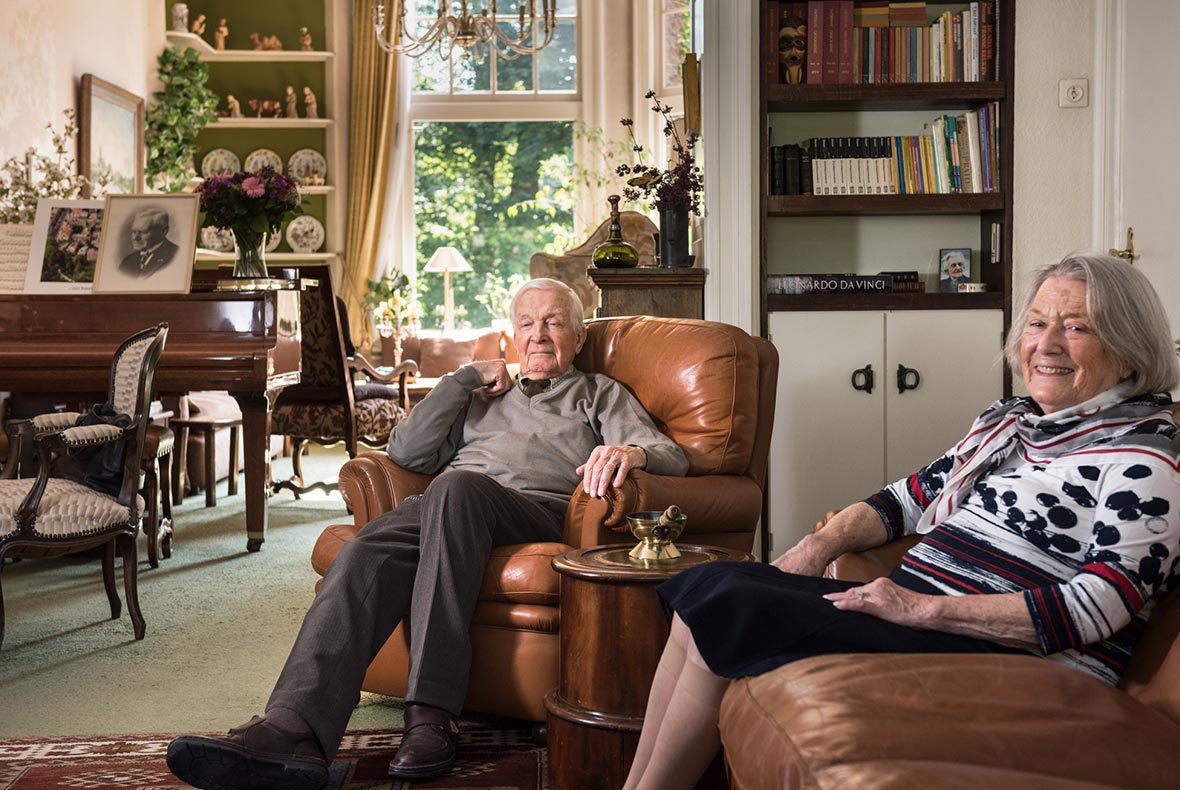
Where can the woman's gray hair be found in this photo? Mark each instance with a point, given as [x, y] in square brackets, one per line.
[1125, 312]
[573, 307]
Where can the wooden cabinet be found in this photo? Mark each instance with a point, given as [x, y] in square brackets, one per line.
[672, 293]
[867, 397]
[246, 73]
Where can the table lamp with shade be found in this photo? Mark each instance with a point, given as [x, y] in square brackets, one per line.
[447, 260]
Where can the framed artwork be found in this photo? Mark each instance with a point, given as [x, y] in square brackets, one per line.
[148, 244]
[110, 140]
[954, 267]
[64, 250]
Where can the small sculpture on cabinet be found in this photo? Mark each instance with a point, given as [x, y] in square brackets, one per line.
[180, 17]
[304, 40]
[198, 28]
[235, 109]
[220, 34]
[792, 49]
[309, 104]
[266, 107]
[271, 43]
[292, 102]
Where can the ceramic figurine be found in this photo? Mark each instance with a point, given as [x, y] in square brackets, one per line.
[265, 42]
[292, 103]
[198, 28]
[180, 17]
[220, 34]
[270, 107]
[304, 40]
[235, 109]
[309, 104]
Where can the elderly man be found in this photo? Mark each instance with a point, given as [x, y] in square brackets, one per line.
[508, 453]
[151, 250]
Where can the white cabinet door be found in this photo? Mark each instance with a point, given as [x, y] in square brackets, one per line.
[828, 445]
[958, 358]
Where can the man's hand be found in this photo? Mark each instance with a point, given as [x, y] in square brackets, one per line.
[493, 374]
[609, 465]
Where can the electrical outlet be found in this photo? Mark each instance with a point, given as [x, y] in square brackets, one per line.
[1073, 93]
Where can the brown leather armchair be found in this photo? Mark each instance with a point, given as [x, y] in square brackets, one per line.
[956, 720]
[709, 386]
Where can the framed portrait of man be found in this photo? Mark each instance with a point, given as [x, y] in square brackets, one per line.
[148, 244]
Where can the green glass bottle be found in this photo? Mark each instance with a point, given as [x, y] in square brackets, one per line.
[615, 253]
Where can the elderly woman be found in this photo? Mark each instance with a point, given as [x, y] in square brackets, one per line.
[1047, 530]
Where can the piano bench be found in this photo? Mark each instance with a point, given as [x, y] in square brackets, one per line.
[207, 427]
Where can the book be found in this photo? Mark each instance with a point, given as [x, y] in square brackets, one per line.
[831, 41]
[907, 14]
[815, 42]
[844, 36]
[795, 284]
[770, 25]
[791, 164]
[871, 13]
[806, 183]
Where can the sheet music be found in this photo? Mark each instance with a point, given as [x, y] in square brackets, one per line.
[15, 241]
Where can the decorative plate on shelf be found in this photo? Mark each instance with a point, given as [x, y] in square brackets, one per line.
[274, 240]
[217, 239]
[260, 158]
[218, 161]
[305, 234]
[307, 167]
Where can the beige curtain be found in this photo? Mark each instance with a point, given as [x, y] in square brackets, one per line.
[372, 129]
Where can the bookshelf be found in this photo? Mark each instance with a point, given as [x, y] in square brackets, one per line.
[835, 441]
[263, 74]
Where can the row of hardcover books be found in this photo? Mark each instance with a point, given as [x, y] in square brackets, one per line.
[878, 41]
[959, 155]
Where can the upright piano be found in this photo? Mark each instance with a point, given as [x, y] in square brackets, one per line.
[245, 342]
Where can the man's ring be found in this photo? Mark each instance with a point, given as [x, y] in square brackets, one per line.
[860, 595]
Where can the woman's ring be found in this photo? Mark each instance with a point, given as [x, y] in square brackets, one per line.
[860, 595]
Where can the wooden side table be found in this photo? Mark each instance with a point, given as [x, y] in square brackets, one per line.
[613, 631]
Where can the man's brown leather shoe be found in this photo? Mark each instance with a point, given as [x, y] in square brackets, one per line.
[255, 756]
[429, 744]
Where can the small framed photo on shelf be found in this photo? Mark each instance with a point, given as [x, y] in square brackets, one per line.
[954, 268]
[148, 244]
[64, 249]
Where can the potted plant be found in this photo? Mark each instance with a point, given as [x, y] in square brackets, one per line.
[249, 205]
[24, 180]
[183, 108]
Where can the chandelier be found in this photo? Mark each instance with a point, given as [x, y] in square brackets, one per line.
[474, 32]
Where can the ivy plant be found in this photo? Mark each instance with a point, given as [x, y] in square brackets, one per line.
[183, 108]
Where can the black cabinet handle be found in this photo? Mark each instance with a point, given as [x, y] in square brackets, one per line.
[862, 379]
[907, 379]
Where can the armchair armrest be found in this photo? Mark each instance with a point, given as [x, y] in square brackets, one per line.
[712, 503]
[384, 375]
[864, 566]
[53, 421]
[372, 484]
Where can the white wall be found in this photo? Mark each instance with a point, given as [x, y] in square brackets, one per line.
[1054, 158]
[47, 45]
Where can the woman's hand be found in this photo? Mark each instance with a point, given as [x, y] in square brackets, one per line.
[887, 600]
[806, 558]
[609, 465]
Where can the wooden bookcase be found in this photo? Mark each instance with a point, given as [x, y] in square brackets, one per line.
[264, 74]
[834, 442]
[779, 102]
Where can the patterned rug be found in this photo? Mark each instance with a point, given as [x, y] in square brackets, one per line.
[489, 758]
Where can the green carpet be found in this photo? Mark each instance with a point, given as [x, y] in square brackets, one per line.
[219, 624]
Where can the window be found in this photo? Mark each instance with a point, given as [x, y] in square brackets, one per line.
[681, 34]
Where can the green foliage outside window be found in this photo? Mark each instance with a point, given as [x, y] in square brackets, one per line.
[498, 192]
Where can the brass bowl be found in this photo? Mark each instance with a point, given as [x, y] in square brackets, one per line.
[655, 539]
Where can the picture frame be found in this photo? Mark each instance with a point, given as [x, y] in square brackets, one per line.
[954, 267]
[110, 137]
[148, 244]
[64, 250]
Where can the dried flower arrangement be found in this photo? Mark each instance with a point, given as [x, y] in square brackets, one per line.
[677, 187]
[23, 181]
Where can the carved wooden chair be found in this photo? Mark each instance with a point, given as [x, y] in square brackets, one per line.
[50, 515]
[341, 397]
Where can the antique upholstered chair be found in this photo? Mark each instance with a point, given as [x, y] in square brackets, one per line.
[49, 515]
[709, 386]
[330, 405]
[570, 267]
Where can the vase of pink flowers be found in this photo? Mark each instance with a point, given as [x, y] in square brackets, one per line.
[674, 191]
[250, 206]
